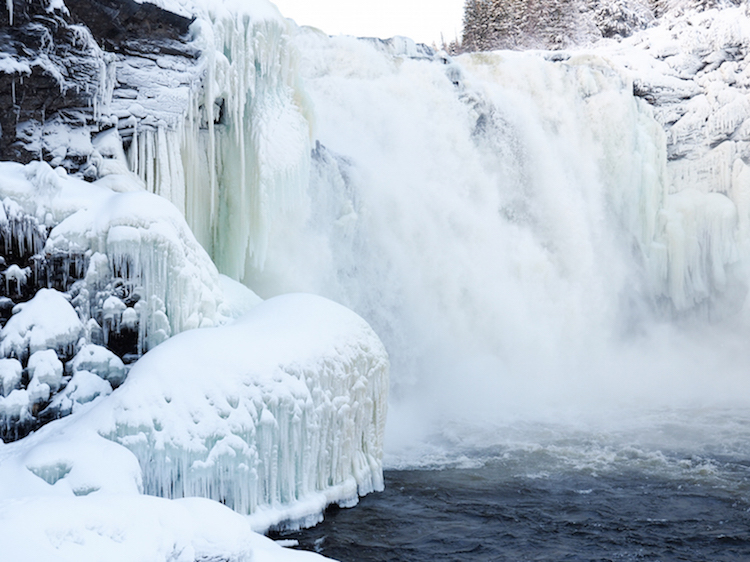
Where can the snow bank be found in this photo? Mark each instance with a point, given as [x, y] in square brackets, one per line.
[132, 529]
[275, 415]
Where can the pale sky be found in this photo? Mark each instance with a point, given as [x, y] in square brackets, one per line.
[422, 20]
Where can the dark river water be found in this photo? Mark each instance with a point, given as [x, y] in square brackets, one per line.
[569, 500]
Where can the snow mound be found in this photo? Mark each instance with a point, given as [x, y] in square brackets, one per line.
[276, 415]
[48, 321]
[133, 529]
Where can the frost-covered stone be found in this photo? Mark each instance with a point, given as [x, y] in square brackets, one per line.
[11, 372]
[15, 406]
[83, 387]
[38, 392]
[48, 321]
[100, 361]
[45, 367]
[15, 276]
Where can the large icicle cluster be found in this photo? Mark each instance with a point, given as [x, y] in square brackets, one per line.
[94, 276]
[238, 154]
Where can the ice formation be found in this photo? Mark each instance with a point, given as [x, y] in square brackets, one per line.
[123, 271]
[231, 150]
[276, 415]
[283, 410]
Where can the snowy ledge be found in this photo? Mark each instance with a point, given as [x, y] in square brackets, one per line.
[276, 415]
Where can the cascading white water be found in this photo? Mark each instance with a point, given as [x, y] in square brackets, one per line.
[507, 225]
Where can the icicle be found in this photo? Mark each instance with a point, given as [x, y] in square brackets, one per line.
[232, 178]
[9, 4]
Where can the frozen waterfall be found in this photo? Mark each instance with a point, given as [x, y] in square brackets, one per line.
[533, 236]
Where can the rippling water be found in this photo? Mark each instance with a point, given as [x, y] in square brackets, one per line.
[677, 490]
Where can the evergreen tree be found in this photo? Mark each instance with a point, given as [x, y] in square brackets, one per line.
[557, 24]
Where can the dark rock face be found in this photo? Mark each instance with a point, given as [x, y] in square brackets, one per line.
[61, 69]
[125, 26]
[55, 81]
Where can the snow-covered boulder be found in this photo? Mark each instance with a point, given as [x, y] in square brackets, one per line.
[48, 321]
[83, 388]
[11, 372]
[99, 361]
[14, 408]
[46, 368]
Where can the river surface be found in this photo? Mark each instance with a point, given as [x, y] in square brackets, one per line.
[679, 491]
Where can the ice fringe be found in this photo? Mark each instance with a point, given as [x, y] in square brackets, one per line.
[275, 415]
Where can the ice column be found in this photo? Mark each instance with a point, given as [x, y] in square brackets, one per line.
[242, 153]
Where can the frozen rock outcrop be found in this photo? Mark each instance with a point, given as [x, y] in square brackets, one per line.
[109, 275]
[62, 64]
[693, 68]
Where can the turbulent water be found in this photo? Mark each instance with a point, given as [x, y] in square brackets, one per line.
[674, 486]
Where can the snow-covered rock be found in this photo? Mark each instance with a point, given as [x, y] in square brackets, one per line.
[99, 361]
[82, 388]
[46, 322]
[46, 368]
[276, 415]
[11, 372]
